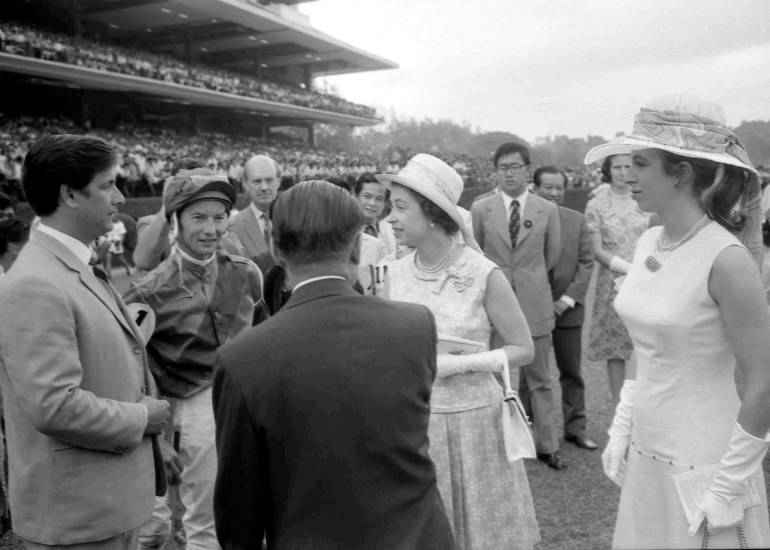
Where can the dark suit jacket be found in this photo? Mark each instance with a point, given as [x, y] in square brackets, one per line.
[322, 427]
[573, 270]
[536, 253]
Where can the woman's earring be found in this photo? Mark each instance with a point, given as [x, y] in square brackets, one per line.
[432, 224]
[676, 184]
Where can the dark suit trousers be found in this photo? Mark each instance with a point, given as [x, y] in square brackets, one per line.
[567, 348]
[537, 396]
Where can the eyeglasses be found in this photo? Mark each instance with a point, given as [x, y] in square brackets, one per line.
[510, 168]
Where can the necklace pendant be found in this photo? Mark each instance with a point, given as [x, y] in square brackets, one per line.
[652, 263]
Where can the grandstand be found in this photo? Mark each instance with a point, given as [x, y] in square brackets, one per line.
[243, 66]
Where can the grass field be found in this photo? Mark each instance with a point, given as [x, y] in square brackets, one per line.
[575, 507]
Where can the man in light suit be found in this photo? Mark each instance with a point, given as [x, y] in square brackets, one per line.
[83, 458]
[322, 422]
[252, 225]
[569, 284]
[519, 231]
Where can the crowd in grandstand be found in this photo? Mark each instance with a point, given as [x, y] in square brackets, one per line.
[23, 40]
[148, 154]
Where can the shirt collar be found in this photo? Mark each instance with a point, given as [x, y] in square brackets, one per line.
[81, 251]
[314, 279]
[507, 200]
[257, 212]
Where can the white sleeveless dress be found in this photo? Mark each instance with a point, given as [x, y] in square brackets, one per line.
[487, 498]
[686, 401]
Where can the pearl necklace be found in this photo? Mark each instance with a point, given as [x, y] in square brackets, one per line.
[442, 265]
[689, 235]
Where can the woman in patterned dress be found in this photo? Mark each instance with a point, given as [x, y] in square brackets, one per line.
[616, 223]
[487, 497]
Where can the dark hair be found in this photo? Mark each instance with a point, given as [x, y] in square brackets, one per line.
[718, 200]
[64, 159]
[511, 148]
[5, 201]
[766, 232]
[607, 167]
[546, 170]
[316, 221]
[12, 231]
[368, 177]
[339, 182]
[433, 212]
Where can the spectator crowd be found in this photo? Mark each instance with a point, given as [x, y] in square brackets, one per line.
[33, 42]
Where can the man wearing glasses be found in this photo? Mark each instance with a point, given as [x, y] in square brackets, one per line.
[519, 231]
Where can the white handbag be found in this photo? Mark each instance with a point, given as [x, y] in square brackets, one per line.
[517, 429]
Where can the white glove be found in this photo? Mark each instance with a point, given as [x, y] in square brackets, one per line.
[486, 361]
[619, 265]
[614, 455]
[722, 505]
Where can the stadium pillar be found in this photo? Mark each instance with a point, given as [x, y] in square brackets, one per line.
[311, 135]
[308, 78]
[85, 110]
[77, 24]
[189, 47]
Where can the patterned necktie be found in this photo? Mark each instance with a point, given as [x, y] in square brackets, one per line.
[268, 231]
[514, 221]
[370, 229]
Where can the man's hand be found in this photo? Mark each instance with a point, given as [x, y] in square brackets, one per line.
[158, 412]
[559, 307]
[172, 461]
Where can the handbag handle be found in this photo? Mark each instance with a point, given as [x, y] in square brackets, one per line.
[509, 394]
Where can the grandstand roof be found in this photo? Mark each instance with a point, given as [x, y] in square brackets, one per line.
[230, 33]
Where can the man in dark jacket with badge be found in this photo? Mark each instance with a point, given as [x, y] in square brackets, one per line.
[201, 297]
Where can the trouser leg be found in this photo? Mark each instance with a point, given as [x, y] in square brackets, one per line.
[535, 386]
[567, 349]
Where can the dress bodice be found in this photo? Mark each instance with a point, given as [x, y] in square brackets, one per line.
[686, 401]
[455, 296]
[619, 221]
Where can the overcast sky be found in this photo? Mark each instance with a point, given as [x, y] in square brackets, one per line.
[548, 67]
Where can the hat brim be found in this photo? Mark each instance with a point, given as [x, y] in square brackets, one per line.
[627, 145]
[426, 191]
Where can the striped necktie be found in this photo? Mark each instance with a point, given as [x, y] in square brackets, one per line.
[514, 222]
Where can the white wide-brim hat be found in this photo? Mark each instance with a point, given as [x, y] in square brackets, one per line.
[684, 123]
[436, 181]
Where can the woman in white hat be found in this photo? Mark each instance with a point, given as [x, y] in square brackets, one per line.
[694, 306]
[487, 497]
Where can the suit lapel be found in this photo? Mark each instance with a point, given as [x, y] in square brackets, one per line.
[529, 217]
[108, 297]
[499, 218]
[253, 231]
[564, 219]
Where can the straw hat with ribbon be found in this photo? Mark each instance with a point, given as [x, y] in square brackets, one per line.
[436, 181]
[692, 125]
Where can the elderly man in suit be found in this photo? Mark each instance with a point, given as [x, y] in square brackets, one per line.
[569, 284]
[322, 422]
[83, 457]
[519, 231]
[252, 225]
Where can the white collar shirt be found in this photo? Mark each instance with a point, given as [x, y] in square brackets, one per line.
[508, 200]
[81, 251]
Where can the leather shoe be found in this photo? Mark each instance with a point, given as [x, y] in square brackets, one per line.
[581, 441]
[553, 460]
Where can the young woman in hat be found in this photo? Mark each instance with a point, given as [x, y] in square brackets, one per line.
[694, 306]
[487, 498]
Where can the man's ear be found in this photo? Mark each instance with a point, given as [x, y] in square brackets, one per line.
[67, 196]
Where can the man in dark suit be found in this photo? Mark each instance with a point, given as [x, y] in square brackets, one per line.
[519, 231]
[569, 283]
[322, 411]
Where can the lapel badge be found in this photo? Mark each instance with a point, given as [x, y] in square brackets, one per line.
[527, 224]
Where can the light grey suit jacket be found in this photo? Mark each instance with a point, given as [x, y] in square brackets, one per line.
[73, 368]
[536, 253]
[246, 227]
